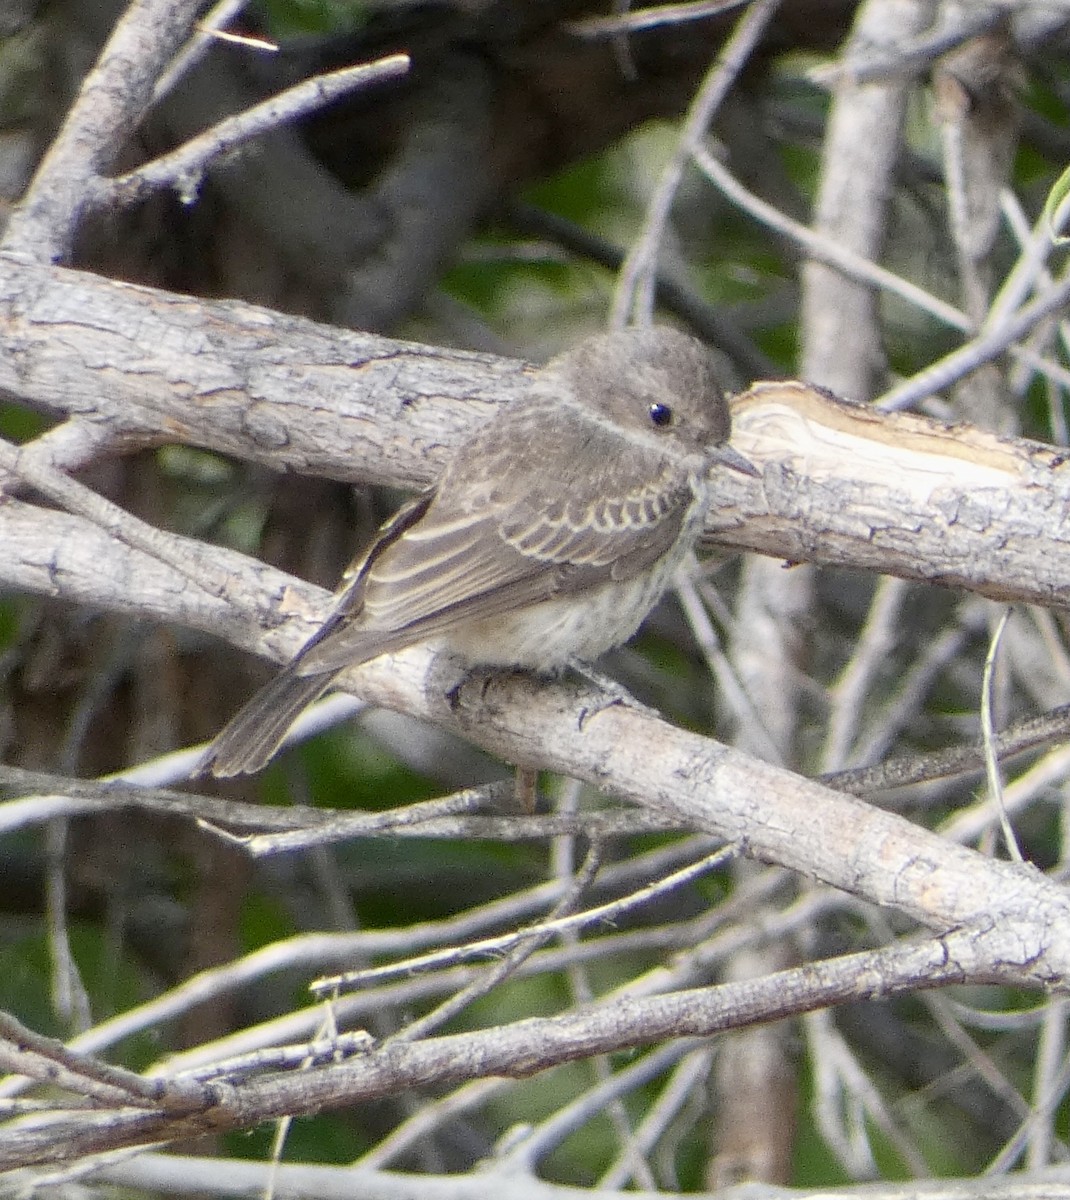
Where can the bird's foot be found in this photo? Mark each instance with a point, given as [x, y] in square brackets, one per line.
[613, 693]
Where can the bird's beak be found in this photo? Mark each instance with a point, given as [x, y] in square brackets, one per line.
[732, 458]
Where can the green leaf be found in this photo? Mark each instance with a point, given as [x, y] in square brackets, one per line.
[1057, 207]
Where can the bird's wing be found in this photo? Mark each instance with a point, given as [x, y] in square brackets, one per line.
[623, 532]
[448, 567]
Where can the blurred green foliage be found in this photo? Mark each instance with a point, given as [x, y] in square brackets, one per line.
[289, 18]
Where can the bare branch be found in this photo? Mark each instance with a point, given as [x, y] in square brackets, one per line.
[111, 103]
[183, 168]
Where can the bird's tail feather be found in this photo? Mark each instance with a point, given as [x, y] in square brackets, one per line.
[250, 739]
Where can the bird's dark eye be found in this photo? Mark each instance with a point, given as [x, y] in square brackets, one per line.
[660, 415]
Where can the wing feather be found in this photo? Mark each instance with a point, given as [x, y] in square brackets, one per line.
[523, 545]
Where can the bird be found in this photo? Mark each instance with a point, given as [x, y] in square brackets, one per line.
[551, 534]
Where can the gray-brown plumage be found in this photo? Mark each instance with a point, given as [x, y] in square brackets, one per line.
[552, 533]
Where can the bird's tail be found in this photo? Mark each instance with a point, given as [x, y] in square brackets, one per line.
[250, 739]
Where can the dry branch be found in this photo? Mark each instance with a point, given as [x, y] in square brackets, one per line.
[842, 485]
[777, 815]
[525, 1047]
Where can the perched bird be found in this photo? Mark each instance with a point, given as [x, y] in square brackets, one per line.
[551, 534]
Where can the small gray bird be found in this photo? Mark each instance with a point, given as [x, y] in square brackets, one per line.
[552, 533]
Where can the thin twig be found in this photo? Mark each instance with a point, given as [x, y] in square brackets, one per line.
[90, 1076]
[636, 285]
[545, 1137]
[875, 643]
[184, 167]
[514, 958]
[824, 248]
[196, 47]
[988, 734]
[1018, 738]
[989, 344]
[649, 18]
[604, 913]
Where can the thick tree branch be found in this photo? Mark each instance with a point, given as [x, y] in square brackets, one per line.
[778, 816]
[842, 485]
